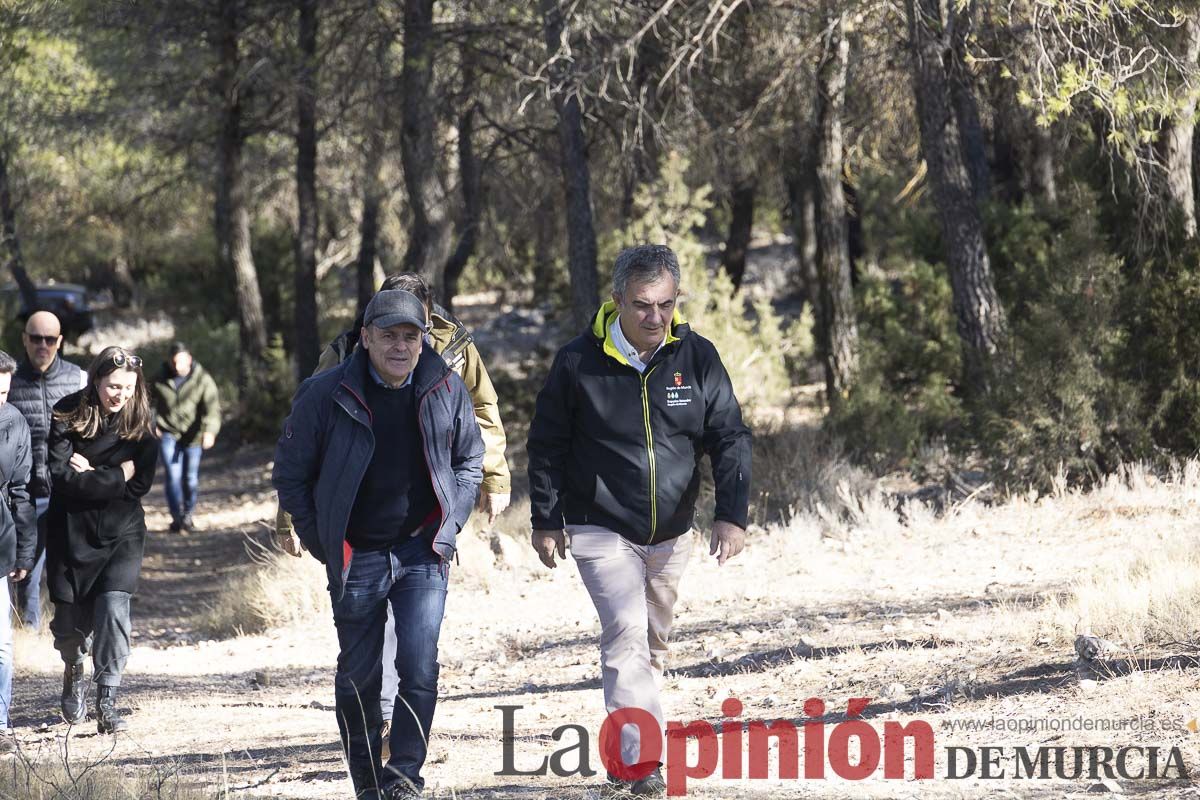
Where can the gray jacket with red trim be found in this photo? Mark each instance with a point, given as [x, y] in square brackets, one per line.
[327, 444]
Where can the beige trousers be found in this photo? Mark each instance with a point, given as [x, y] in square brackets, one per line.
[633, 588]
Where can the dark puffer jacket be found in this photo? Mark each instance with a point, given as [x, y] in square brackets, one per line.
[35, 394]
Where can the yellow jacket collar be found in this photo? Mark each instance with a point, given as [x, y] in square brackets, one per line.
[602, 324]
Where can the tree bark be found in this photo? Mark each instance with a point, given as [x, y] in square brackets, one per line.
[980, 319]
[643, 163]
[306, 345]
[12, 242]
[802, 193]
[966, 104]
[741, 223]
[368, 226]
[429, 242]
[470, 172]
[839, 337]
[232, 215]
[1177, 141]
[1040, 171]
[581, 234]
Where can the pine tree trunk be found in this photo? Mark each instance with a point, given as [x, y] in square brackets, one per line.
[966, 105]
[470, 172]
[741, 224]
[643, 162]
[980, 318]
[306, 345]
[1177, 141]
[837, 321]
[581, 234]
[368, 226]
[429, 243]
[232, 216]
[12, 242]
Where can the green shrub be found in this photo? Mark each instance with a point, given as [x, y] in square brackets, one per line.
[1063, 406]
[1163, 353]
[909, 358]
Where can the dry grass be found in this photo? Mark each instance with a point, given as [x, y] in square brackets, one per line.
[275, 591]
[22, 779]
[1151, 599]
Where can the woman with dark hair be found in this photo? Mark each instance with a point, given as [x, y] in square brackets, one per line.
[102, 457]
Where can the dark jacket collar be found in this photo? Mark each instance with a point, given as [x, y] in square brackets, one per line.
[431, 370]
[28, 371]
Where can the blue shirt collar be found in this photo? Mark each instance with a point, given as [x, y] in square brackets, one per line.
[379, 381]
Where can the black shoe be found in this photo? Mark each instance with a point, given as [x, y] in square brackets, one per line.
[74, 694]
[652, 785]
[175, 527]
[107, 718]
[187, 524]
[401, 790]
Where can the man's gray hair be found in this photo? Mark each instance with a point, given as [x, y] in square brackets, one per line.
[643, 264]
[8, 364]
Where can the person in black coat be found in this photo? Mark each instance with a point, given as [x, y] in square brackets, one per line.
[102, 458]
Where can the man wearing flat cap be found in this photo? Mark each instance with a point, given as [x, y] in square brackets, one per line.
[379, 464]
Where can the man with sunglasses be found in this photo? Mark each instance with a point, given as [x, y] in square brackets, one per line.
[43, 377]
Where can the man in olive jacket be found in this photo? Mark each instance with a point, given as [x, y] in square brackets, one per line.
[188, 420]
[625, 415]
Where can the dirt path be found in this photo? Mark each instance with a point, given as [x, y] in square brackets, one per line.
[935, 621]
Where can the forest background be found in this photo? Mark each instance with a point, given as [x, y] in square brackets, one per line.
[990, 209]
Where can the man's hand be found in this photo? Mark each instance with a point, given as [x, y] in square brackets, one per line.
[289, 543]
[18, 575]
[79, 463]
[207, 440]
[726, 542]
[493, 504]
[127, 469]
[546, 542]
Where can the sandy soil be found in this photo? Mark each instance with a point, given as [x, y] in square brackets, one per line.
[935, 620]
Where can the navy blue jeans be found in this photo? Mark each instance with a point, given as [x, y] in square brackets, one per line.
[182, 468]
[413, 580]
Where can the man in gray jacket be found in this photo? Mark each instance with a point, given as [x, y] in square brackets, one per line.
[379, 465]
[42, 379]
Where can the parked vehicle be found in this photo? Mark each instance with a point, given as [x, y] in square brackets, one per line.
[70, 302]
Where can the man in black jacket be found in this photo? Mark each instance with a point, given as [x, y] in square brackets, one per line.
[626, 413]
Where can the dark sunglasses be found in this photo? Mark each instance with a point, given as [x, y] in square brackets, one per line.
[122, 359]
[36, 339]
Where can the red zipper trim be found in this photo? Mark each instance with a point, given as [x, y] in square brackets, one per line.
[429, 464]
[363, 403]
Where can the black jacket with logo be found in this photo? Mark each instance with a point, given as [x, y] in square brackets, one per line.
[613, 447]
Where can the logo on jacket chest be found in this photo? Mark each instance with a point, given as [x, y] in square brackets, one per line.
[678, 392]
